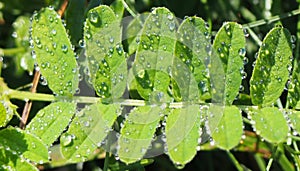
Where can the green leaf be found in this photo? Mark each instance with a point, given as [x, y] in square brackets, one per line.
[294, 86]
[133, 32]
[21, 35]
[230, 129]
[271, 71]
[5, 117]
[87, 130]
[54, 53]
[106, 57]
[193, 38]
[154, 53]
[230, 45]
[11, 161]
[23, 143]
[137, 132]
[155, 58]
[74, 16]
[270, 124]
[182, 134]
[118, 7]
[294, 117]
[7, 109]
[49, 122]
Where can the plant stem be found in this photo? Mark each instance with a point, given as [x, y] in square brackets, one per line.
[269, 164]
[12, 51]
[271, 19]
[106, 161]
[131, 12]
[234, 161]
[28, 104]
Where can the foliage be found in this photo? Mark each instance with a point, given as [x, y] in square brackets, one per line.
[163, 86]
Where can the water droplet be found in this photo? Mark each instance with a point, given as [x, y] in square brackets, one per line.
[81, 43]
[293, 39]
[64, 48]
[66, 139]
[111, 39]
[242, 52]
[93, 17]
[170, 16]
[172, 26]
[53, 32]
[246, 34]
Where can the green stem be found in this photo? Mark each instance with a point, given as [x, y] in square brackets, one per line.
[269, 164]
[12, 51]
[234, 161]
[106, 161]
[255, 37]
[260, 162]
[131, 12]
[271, 19]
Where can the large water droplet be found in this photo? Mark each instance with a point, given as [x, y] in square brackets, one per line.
[66, 139]
[93, 17]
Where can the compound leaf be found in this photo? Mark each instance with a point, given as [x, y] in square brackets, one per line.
[106, 57]
[230, 45]
[87, 130]
[137, 133]
[182, 134]
[49, 122]
[230, 129]
[23, 143]
[54, 53]
[9, 160]
[271, 71]
[266, 121]
[192, 40]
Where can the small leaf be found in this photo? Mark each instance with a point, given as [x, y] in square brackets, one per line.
[54, 53]
[137, 133]
[230, 46]
[74, 16]
[21, 35]
[87, 130]
[192, 39]
[294, 86]
[271, 71]
[50, 121]
[133, 32]
[270, 124]
[155, 58]
[182, 134]
[4, 116]
[118, 7]
[230, 129]
[106, 57]
[11, 161]
[23, 143]
[294, 117]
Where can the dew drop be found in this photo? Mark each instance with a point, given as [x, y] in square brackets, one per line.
[172, 26]
[93, 17]
[293, 39]
[64, 48]
[242, 52]
[53, 32]
[66, 139]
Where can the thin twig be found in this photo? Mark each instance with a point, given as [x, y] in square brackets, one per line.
[28, 104]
